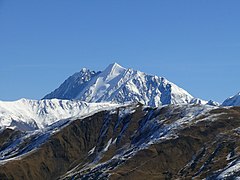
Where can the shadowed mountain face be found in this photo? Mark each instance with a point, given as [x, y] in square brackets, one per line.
[131, 142]
[232, 101]
[71, 87]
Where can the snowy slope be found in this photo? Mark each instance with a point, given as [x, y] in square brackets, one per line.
[158, 131]
[232, 101]
[33, 114]
[73, 85]
[120, 85]
[203, 102]
[233, 168]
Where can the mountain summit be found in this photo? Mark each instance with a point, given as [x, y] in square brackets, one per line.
[77, 137]
[118, 84]
[232, 101]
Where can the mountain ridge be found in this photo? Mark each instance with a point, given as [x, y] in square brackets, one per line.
[119, 124]
[73, 84]
[134, 142]
[232, 101]
[30, 115]
[117, 84]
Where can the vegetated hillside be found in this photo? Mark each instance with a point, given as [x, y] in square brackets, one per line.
[134, 142]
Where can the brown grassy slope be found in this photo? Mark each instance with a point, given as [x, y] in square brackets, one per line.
[204, 143]
[69, 147]
[207, 143]
[64, 149]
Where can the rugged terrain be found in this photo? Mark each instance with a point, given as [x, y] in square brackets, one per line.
[119, 124]
[30, 115]
[130, 142]
[120, 85]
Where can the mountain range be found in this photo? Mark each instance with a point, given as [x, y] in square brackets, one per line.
[119, 123]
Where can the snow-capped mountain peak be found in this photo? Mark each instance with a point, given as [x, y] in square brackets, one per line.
[113, 71]
[114, 67]
[83, 70]
[232, 101]
[119, 85]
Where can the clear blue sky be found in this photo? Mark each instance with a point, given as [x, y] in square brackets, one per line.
[193, 43]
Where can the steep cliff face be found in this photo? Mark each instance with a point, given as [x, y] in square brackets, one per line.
[132, 142]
